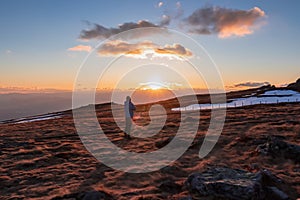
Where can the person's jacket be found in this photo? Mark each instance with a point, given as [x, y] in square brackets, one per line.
[129, 108]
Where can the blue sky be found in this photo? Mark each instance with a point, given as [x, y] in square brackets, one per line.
[35, 37]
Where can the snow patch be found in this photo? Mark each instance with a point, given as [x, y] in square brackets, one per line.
[269, 97]
[34, 118]
[37, 119]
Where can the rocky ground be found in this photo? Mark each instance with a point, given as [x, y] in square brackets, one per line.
[46, 159]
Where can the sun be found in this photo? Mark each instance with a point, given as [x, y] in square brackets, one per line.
[152, 86]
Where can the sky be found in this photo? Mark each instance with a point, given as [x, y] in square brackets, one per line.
[44, 43]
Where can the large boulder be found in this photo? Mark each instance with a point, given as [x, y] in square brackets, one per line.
[227, 183]
[234, 184]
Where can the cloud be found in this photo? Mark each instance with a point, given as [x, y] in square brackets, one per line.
[24, 90]
[8, 51]
[101, 32]
[152, 85]
[174, 49]
[158, 85]
[179, 10]
[252, 84]
[80, 48]
[223, 21]
[160, 4]
[171, 14]
[165, 20]
[119, 47]
[173, 85]
[141, 49]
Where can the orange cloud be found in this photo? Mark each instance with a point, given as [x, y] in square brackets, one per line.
[225, 22]
[243, 25]
[174, 49]
[119, 47]
[80, 48]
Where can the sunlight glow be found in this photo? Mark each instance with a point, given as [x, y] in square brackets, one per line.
[153, 86]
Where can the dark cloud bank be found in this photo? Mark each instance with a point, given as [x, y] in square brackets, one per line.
[225, 22]
[252, 84]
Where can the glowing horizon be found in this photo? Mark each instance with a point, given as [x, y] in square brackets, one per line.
[248, 48]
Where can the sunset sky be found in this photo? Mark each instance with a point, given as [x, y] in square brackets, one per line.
[43, 43]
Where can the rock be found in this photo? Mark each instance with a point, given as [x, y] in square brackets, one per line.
[276, 194]
[277, 147]
[262, 149]
[226, 183]
[235, 184]
[273, 186]
[269, 178]
[254, 166]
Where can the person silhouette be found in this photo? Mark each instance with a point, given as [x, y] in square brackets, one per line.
[129, 107]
